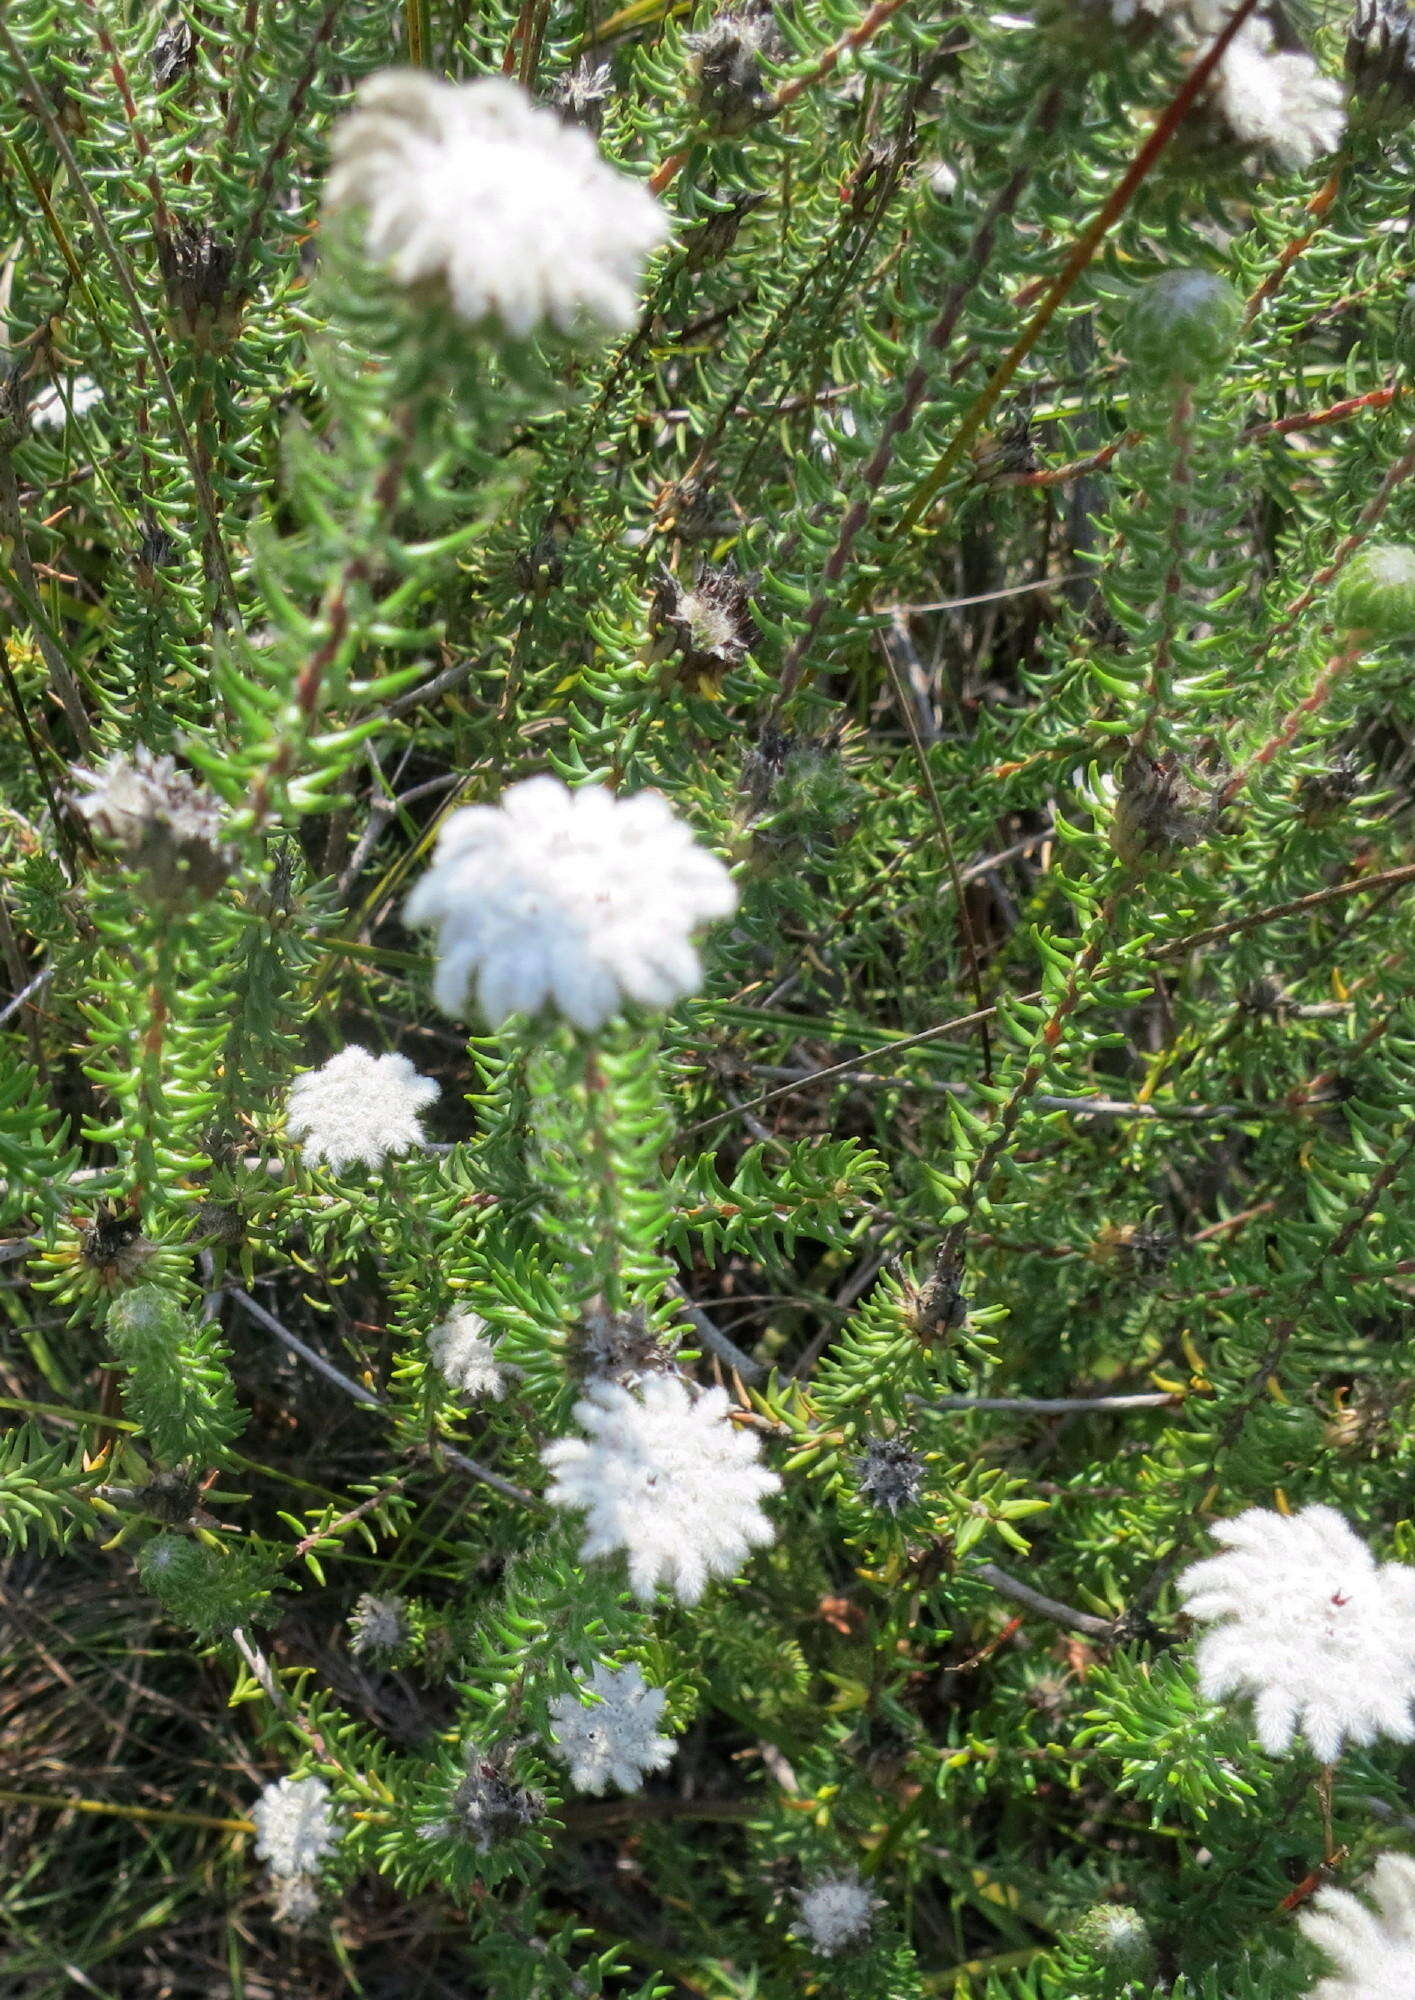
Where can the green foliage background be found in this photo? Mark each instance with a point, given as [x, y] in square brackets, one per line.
[1128, 1060]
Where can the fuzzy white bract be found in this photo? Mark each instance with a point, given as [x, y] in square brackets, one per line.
[1372, 1949]
[473, 187]
[614, 1740]
[377, 1624]
[1278, 99]
[1310, 1625]
[464, 1357]
[295, 1825]
[665, 1476]
[358, 1107]
[579, 901]
[51, 408]
[835, 1912]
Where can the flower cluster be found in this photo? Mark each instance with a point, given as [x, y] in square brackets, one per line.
[1275, 101]
[1372, 1949]
[1310, 1625]
[377, 1624]
[836, 1911]
[465, 1358]
[358, 1107]
[472, 187]
[666, 1477]
[614, 1738]
[1278, 99]
[575, 900]
[295, 1825]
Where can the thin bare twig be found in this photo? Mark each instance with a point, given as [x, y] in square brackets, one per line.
[359, 1394]
[1052, 1406]
[1046, 1607]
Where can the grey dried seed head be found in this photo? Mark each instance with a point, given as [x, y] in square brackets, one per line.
[707, 628]
[1267, 997]
[764, 766]
[166, 823]
[1143, 1249]
[154, 551]
[579, 96]
[1009, 453]
[889, 1474]
[196, 269]
[726, 62]
[620, 1347]
[173, 53]
[710, 242]
[1321, 795]
[940, 1305]
[171, 1496]
[488, 1806]
[693, 508]
[1158, 809]
[1380, 51]
[112, 1245]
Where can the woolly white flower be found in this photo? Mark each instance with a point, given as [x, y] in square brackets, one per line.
[1373, 1950]
[473, 186]
[295, 1900]
[358, 1107]
[576, 900]
[465, 1357]
[377, 1624]
[51, 407]
[1278, 100]
[1307, 1623]
[614, 1740]
[835, 1911]
[666, 1477]
[295, 1825]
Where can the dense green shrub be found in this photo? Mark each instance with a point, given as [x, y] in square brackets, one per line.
[960, 460]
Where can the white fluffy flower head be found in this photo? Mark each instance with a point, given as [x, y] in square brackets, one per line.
[835, 1912]
[666, 1477]
[1278, 100]
[1372, 1949]
[472, 186]
[574, 900]
[615, 1739]
[464, 1356]
[295, 1825]
[1310, 1625]
[51, 408]
[358, 1107]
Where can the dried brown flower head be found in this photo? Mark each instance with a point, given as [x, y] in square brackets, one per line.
[1158, 809]
[705, 630]
[167, 824]
[730, 87]
[197, 268]
[111, 1244]
[579, 96]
